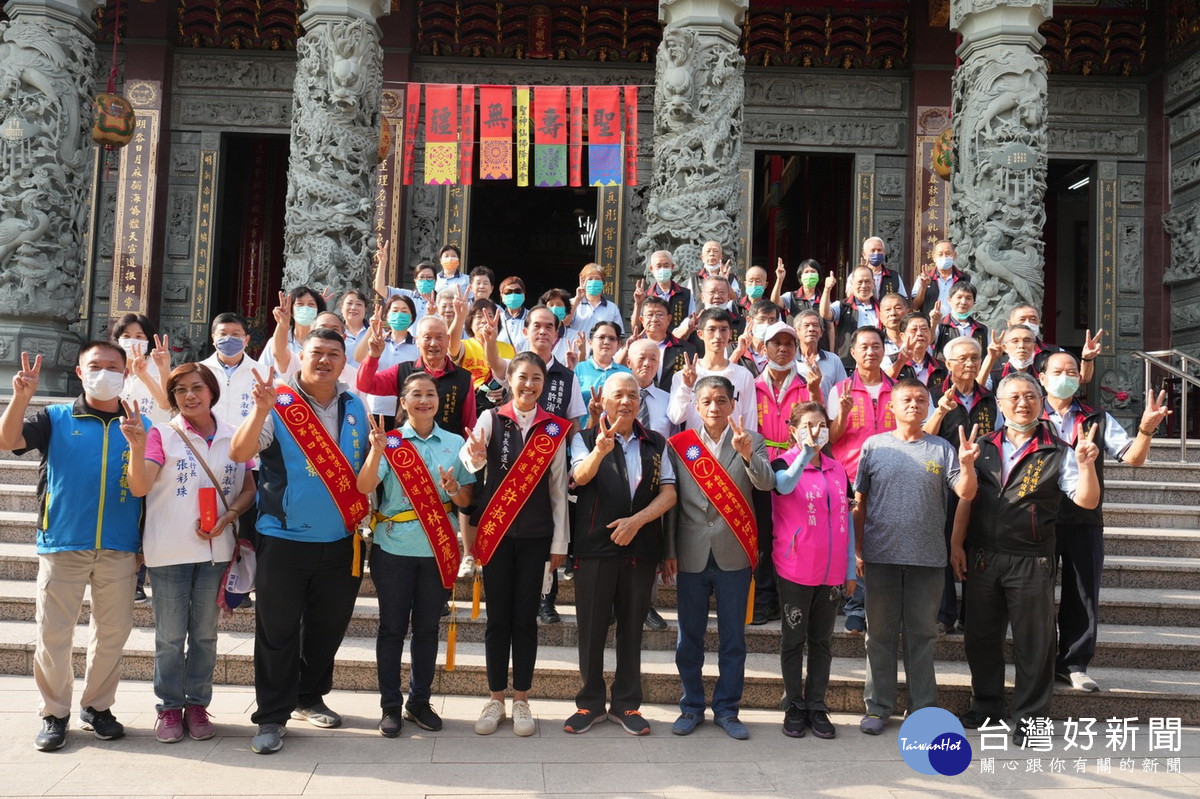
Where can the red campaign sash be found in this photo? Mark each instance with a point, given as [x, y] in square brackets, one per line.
[324, 456]
[719, 488]
[513, 491]
[414, 477]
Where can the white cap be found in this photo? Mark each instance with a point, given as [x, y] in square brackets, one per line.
[780, 327]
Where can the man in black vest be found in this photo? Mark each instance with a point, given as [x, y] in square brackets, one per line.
[625, 485]
[1003, 548]
[859, 309]
[654, 324]
[1081, 531]
[456, 393]
[874, 255]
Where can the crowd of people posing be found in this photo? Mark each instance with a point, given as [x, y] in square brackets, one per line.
[789, 456]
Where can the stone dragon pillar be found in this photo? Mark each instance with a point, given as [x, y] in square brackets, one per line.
[46, 69]
[997, 208]
[327, 239]
[699, 89]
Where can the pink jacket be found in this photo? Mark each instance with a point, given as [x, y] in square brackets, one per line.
[773, 414]
[813, 536]
[865, 420]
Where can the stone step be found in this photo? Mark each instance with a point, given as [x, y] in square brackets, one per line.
[18, 497]
[1128, 692]
[1166, 450]
[18, 527]
[1137, 540]
[19, 472]
[1165, 516]
[1151, 492]
[1152, 470]
[1120, 645]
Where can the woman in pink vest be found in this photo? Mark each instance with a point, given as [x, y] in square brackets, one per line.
[813, 548]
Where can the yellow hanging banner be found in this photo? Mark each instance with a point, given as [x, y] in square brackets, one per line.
[523, 136]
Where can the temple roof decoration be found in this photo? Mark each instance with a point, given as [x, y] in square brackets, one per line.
[873, 36]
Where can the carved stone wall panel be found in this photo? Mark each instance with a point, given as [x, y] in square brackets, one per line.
[1074, 99]
[181, 218]
[1132, 189]
[1182, 224]
[770, 91]
[1068, 140]
[1130, 256]
[838, 133]
[1184, 125]
[698, 132]
[259, 73]
[328, 239]
[1183, 84]
[889, 226]
[232, 112]
[634, 221]
[890, 185]
[424, 221]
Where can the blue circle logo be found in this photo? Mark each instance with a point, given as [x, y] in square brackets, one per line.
[933, 741]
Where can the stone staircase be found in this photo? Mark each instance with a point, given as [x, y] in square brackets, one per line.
[1146, 661]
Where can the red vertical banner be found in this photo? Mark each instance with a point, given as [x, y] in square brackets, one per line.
[631, 136]
[575, 150]
[466, 142]
[604, 136]
[550, 136]
[495, 132]
[412, 116]
[441, 134]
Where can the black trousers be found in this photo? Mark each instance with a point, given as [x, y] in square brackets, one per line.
[305, 596]
[766, 593]
[512, 586]
[1020, 589]
[1081, 548]
[604, 586]
[948, 611]
[809, 612]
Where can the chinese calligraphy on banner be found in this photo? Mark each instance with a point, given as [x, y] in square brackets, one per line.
[932, 220]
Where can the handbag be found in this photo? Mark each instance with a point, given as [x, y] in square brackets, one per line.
[238, 579]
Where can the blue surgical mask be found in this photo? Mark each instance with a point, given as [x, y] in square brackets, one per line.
[425, 285]
[662, 275]
[944, 263]
[593, 287]
[304, 315]
[559, 311]
[876, 258]
[399, 320]
[512, 301]
[755, 292]
[229, 346]
[961, 316]
[1062, 386]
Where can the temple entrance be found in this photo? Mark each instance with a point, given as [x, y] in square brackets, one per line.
[542, 235]
[248, 259]
[1067, 311]
[803, 208]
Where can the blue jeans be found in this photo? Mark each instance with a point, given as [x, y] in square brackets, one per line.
[732, 589]
[410, 592]
[185, 612]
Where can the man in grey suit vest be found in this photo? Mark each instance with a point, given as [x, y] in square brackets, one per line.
[707, 553]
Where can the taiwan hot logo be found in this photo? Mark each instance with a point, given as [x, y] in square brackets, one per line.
[932, 741]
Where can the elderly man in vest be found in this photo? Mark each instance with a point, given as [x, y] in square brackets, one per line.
[88, 536]
[1004, 550]
[625, 485]
[712, 541]
[312, 434]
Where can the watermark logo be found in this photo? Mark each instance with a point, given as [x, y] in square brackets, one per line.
[933, 741]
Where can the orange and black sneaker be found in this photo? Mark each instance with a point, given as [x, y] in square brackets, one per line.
[581, 721]
[631, 721]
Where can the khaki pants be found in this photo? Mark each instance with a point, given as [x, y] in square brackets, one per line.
[62, 578]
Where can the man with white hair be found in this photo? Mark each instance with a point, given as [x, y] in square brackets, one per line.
[625, 484]
[874, 255]
[681, 303]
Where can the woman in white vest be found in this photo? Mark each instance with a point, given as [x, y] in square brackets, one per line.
[171, 465]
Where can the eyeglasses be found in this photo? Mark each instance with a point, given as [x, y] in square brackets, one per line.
[1017, 399]
[654, 315]
[604, 338]
[965, 359]
[180, 391]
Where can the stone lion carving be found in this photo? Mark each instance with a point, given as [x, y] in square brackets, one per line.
[698, 146]
[45, 74]
[335, 140]
[997, 213]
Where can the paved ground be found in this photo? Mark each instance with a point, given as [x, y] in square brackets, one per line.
[357, 762]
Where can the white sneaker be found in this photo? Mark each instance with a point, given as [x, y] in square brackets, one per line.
[492, 715]
[1079, 681]
[467, 567]
[523, 723]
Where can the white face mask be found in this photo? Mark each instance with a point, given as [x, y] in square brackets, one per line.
[1020, 428]
[132, 346]
[776, 367]
[1020, 364]
[823, 438]
[1037, 329]
[103, 385]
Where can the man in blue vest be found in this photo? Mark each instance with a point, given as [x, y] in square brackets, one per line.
[309, 568]
[88, 535]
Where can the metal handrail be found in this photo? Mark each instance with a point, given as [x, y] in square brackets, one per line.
[1155, 358]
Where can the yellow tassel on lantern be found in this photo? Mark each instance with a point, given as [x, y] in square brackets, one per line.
[750, 602]
[451, 638]
[476, 594]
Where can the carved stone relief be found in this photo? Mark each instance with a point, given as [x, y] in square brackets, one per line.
[1183, 226]
[889, 184]
[1185, 317]
[1129, 323]
[1132, 190]
[176, 290]
[1120, 387]
[698, 94]
[181, 218]
[108, 223]
[335, 138]
[1129, 257]
[424, 222]
[851, 132]
[184, 160]
[1106, 100]
[1185, 173]
[244, 74]
[1066, 138]
[636, 198]
[777, 93]
[1185, 124]
[997, 210]
[961, 8]
[244, 112]
[1182, 80]
[45, 87]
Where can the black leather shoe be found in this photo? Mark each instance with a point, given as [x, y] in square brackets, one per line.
[53, 734]
[422, 714]
[102, 723]
[654, 621]
[547, 614]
